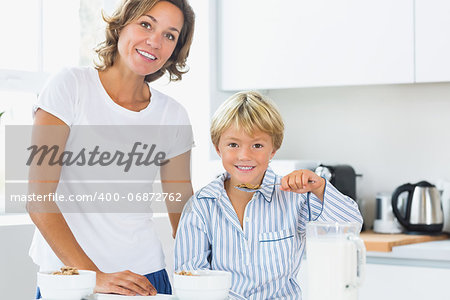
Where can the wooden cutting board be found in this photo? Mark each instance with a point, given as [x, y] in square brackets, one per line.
[381, 242]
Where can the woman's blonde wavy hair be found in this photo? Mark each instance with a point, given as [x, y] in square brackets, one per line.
[248, 111]
[129, 11]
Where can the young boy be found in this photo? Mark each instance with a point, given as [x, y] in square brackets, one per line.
[257, 236]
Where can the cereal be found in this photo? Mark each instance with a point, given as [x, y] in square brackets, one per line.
[248, 186]
[67, 271]
[185, 273]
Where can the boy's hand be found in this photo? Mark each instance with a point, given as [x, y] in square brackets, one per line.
[303, 181]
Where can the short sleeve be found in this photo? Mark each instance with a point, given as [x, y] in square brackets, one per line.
[184, 138]
[59, 96]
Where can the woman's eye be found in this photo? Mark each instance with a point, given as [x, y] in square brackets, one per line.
[232, 145]
[146, 25]
[257, 146]
[170, 36]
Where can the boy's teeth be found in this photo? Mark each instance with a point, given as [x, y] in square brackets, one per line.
[245, 168]
[148, 55]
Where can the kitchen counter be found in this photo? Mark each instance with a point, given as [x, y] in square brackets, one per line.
[15, 219]
[435, 254]
[413, 272]
[24, 219]
[381, 242]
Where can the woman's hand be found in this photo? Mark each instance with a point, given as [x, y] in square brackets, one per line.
[124, 283]
[303, 181]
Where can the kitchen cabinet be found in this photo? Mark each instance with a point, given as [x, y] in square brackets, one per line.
[413, 272]
[298, 43]
[17, 270]
[389, 282]
[404, 282]
[432, 44]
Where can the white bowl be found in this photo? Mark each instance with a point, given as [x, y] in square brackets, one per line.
[204, 285]
[66, 287]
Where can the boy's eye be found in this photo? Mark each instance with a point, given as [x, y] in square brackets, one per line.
[257, 146]
[146, 25]
[232, 145]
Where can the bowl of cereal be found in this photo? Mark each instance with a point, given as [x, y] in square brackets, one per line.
[202, 285]
[66, 284]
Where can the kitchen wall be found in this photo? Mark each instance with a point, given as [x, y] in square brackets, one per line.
[392, 134]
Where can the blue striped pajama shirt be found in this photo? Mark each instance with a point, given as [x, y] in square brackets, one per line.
[264, 255]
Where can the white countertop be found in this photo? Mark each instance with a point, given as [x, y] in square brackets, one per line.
[431, 254]
[119, 297]
[24, 219]
[15, 219]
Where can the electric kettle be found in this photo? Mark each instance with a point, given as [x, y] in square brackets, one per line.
[422, 207]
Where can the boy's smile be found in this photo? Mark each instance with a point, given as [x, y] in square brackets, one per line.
[245, 157]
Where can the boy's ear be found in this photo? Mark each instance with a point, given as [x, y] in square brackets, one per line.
[217, 150]
[273, 153]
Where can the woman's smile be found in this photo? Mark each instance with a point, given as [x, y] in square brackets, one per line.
[146, 55]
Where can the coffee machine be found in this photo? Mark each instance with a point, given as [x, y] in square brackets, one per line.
[343, 177]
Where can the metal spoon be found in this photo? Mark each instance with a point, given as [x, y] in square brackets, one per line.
[252, 190]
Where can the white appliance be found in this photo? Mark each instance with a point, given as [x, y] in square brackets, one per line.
[385, 221]
[444, 187]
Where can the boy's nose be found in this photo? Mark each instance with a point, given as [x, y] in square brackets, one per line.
[244, 154]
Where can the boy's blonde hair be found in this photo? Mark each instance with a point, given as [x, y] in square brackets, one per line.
[248, 111]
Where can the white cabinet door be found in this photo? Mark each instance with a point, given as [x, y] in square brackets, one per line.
[389, 282]
[432, 40]
[266, 44]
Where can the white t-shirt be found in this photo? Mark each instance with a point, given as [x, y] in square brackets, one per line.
[114, 241]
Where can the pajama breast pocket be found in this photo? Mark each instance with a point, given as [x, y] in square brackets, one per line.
[277, 246]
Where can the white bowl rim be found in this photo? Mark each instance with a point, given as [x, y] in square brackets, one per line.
[206, 280]
[205, 273]
[82, 273]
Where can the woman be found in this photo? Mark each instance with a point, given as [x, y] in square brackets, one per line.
[144, 40]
